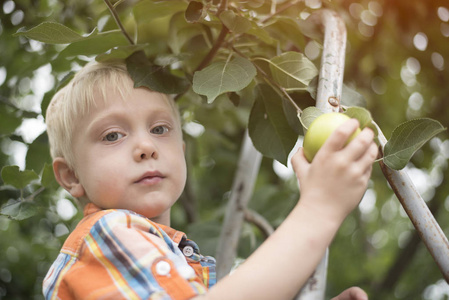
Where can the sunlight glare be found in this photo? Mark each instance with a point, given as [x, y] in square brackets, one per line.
[437, 60]
[420, 41]
[355, 9]
[413, 65]
[65, 208]
[415, 101]
[443, 13]
[2, 75]
[375, 8]
[444, 28]
[8, 7]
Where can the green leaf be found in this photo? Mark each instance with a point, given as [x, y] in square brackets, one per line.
[312, 88]
[38, 153]
[120, 52]
[180, 32]
[52, 33]
[235, 23]
[310, 27]
[48, 96]
[9, 120]
[94, 44]
[363, 116]
[262, 34]
[194, 11]
[148, 10]
[291, 116]
[256, 3]
[48, 177]
[292, 70]
[222, 77]
[286, 30]
[308, 115]
[407, 138]
[268, 127]
[156, 78]
[19, 210]
[12, 175]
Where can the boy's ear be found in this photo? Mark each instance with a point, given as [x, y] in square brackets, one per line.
[66, 177]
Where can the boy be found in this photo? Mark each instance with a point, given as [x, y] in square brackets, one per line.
[119, 150]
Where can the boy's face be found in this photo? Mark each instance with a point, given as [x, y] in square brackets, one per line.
[130, 154]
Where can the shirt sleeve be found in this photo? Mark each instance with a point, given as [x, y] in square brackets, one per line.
[126, 256]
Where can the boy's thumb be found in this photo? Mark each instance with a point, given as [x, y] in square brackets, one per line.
[300, 163]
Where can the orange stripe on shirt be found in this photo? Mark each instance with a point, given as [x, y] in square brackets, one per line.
[119, 281]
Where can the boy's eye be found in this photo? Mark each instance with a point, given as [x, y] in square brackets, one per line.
[159, 130]
[112, 136]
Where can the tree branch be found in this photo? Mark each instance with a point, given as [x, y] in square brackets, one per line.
[405, 256]
[34, 194]
[223, 6]
[259, 221]
[242, 188]
[118, 3]
[188, 198]
[118, 22]
[208, 58]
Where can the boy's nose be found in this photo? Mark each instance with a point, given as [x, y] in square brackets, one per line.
[145, 150]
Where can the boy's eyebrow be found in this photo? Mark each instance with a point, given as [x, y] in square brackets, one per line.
[118, 115]
[103, 116]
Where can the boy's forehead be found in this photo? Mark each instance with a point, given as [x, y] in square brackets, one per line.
[115, 94]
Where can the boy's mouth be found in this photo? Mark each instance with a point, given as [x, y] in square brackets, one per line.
[150, 178]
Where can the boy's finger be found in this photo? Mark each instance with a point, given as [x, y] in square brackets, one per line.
[370, 155]
[360, 144]
[353, 293]
[340, 136]
[299, 162]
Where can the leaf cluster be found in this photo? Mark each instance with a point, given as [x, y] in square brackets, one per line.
[219, 50]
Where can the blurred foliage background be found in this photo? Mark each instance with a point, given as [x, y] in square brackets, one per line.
[397, 58]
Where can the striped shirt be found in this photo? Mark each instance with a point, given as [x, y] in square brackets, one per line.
[117, 254]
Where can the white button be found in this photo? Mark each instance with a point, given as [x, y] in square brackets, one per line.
[188, 251]
[186, 271]
[163, 268]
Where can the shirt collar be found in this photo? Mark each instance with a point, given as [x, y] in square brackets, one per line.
[175, 235]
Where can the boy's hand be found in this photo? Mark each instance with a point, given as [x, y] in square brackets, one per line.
[337, 177]
[353, 293]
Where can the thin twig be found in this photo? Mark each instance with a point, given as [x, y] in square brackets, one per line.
[259, 221]
[221, 37]
[118, 22]
[281, 9]
[34, 194]
[207, 59]
[118, 3]
[223, 6]
[30, 198]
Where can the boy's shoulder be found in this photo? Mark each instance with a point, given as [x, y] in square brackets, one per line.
[112, 222]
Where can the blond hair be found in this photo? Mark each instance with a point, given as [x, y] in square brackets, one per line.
[77, 98]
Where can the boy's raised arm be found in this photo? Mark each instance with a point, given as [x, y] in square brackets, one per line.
[331, 187]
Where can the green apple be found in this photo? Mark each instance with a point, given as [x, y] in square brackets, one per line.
[320, 129]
